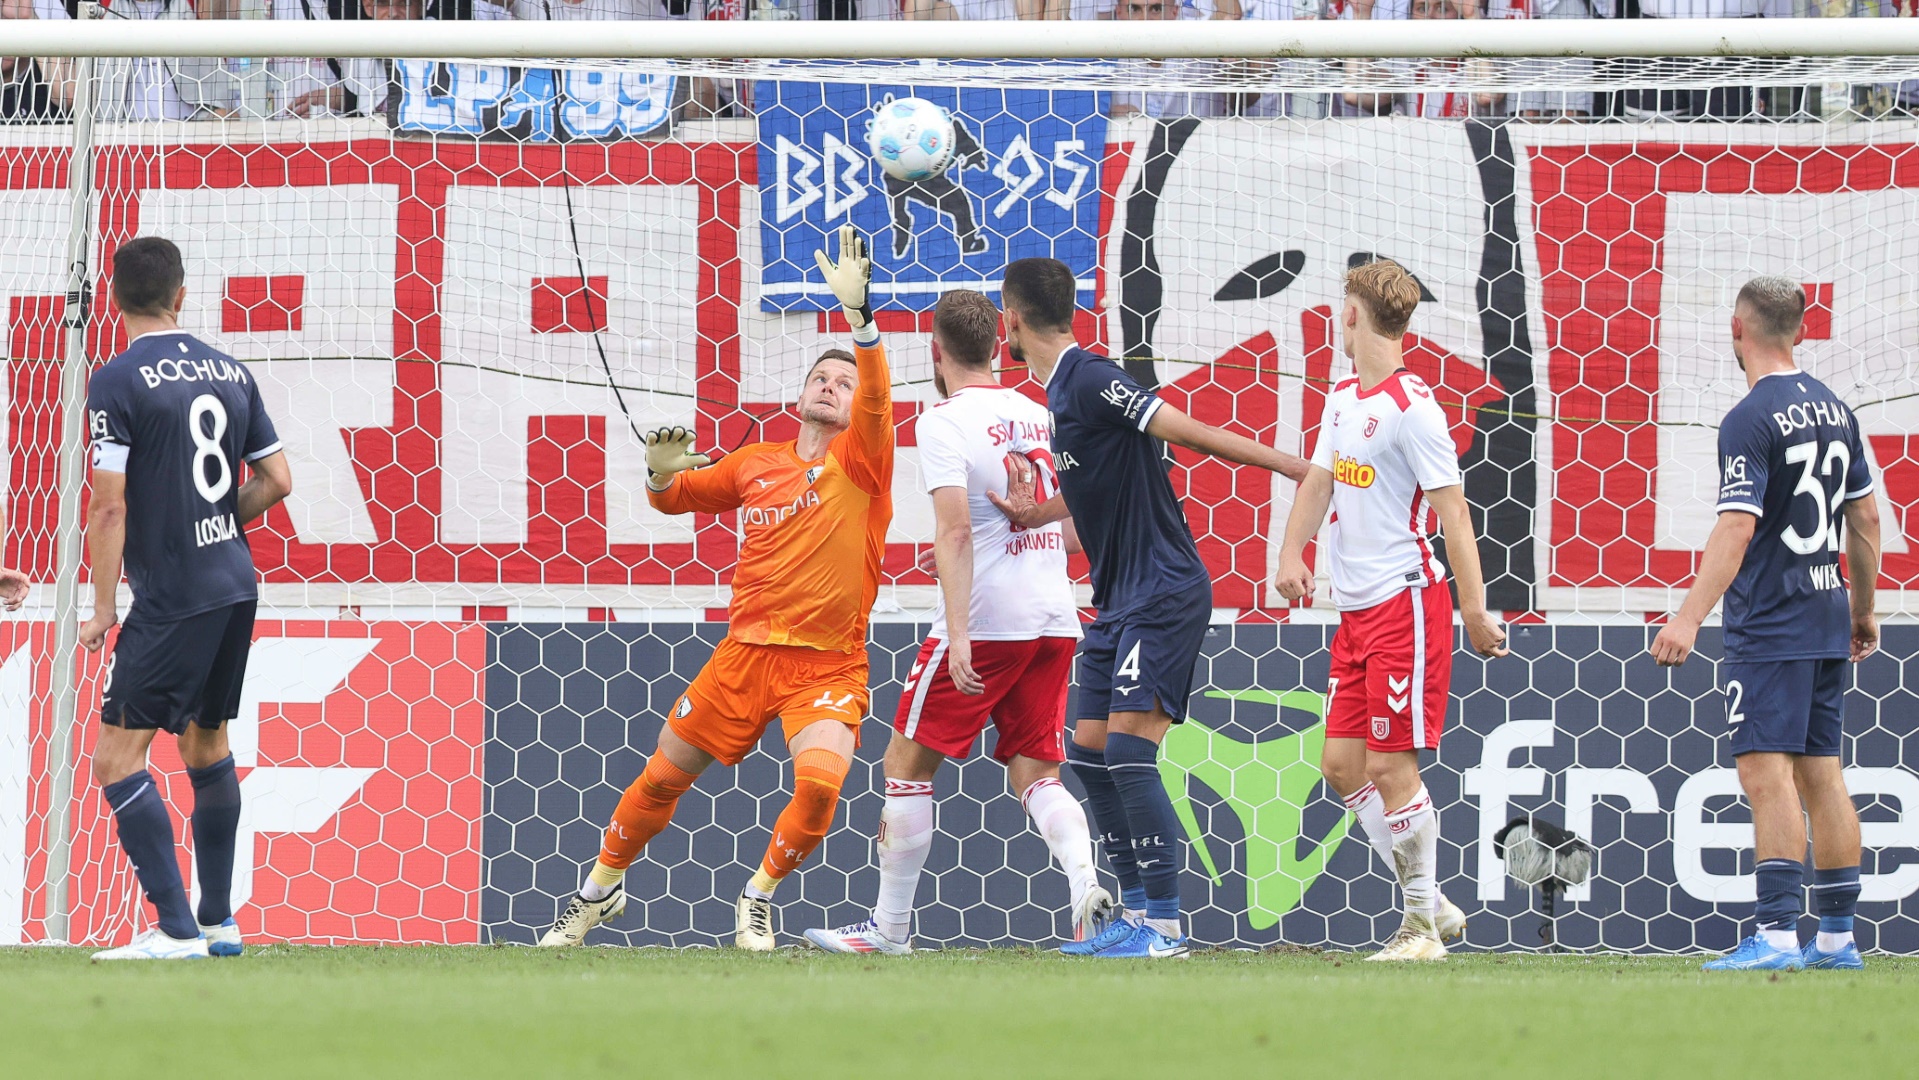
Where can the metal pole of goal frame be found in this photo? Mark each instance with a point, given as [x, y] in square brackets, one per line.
[73, 451]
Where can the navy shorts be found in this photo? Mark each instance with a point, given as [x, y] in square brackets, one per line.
[1785, 706]
[166, 675]
[1147, 655]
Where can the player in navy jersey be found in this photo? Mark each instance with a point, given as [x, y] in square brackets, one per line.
[1154, 595]
[1792, 467]
[171, 420]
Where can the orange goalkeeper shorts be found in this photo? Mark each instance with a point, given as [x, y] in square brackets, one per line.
[744, 687]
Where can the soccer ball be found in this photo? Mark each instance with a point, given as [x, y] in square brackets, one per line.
[911, 138]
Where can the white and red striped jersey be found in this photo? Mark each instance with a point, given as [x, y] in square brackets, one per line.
[1386, 447]
[1020, 587]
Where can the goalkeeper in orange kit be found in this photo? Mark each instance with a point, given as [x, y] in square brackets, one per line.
[813, 518]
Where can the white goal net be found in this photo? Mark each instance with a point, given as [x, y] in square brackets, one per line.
[464, 285]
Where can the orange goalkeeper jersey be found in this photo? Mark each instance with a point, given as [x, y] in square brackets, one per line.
[813, 533]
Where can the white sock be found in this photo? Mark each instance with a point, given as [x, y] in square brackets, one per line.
[1834, 942]
[1169, 927]
[1415, 832]
[595, 891]
[1062, 822]
[1370, 809]
[906, 835]
[1781, 939]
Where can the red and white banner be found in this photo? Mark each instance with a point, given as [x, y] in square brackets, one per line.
[358, 748]
[434, 321]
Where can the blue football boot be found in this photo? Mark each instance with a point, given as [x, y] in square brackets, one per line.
[1146, 943]
[1846, 959]
[1753, 954]
[1114, 933]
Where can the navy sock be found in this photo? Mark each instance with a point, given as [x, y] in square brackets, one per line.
[1782, 886]
[1133, 763]
[1109, 816]
[1835, 896]
[146, 835]
[216, 821]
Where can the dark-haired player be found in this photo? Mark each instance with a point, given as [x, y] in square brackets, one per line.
[1154, 595]
[171, 420]
[1792, 468]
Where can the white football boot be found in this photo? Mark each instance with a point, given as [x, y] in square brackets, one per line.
[224, 939]
[862, 937]
[1415, 942]
[581, 915]
[1449, 920]
[1092, 912]
[156, 945]
[753, 924]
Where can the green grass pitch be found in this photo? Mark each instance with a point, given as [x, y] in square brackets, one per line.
[289, 1011]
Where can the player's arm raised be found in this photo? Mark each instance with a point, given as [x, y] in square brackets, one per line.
[1295, 579]
[1171, 425]
[1462, 553]
[1862, 572]
[870, 437]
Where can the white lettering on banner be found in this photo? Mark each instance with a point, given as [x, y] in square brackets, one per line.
[788, 179]
[314, 403]
[1494, 782]
[1016, 186]
[1063, 152]
[1585, 787]
[277, 799]
[1693, 834]
[845, 164]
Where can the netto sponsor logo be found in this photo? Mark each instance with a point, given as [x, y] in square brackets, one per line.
[1354, 472]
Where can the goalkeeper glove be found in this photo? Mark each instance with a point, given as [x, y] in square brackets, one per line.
[850, 276]
[669, 451]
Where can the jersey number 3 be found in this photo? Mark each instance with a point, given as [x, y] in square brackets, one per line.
[208, 446]
[1825, 530]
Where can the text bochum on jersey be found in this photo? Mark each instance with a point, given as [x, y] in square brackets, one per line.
[1790, 452]
[179, 415]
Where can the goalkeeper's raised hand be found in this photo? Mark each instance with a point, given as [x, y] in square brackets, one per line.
[670, 451]
[849, 278]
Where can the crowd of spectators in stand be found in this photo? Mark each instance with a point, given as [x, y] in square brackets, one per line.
[40, 89]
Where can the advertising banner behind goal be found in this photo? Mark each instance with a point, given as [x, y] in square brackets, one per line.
[456, 337]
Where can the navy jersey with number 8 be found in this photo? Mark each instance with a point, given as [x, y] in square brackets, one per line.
[1790, 453]
[178, 416]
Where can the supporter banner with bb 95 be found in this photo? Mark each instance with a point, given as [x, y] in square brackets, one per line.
[433, 322]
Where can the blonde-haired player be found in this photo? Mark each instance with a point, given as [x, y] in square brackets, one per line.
[813, 519]
[1385, 463]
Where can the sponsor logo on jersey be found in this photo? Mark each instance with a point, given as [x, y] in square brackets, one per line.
[1354, 472]
[1126, 400]
[773, 515]
[1415, 385]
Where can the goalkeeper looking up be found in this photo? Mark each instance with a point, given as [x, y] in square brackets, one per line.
[813, 519]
